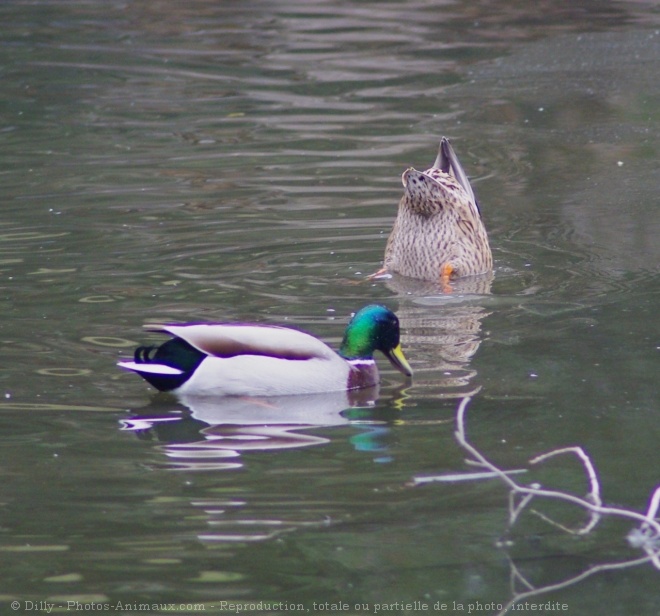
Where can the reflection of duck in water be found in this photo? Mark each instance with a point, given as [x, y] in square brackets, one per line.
[438, 233]
[262, 360]
[445, 341]
[211, 433]
[445, 329]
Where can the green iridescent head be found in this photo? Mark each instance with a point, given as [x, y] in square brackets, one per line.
[374, 328]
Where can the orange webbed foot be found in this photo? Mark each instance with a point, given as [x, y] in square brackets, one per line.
[445, 275]
[381, 272]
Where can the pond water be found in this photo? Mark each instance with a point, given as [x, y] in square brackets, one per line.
[200, 161]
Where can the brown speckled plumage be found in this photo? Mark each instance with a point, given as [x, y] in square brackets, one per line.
[438, 224]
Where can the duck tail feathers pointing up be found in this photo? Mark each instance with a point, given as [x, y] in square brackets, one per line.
[448, 163]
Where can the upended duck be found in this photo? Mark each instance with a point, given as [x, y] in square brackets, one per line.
[438, 233]
[214, 359]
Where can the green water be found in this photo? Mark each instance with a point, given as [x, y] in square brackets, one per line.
[205, 161]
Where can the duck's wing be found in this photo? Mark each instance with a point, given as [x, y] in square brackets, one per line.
[448, 163]
[225, 340]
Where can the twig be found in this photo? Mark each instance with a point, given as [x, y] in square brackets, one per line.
[594, 493]
[521, 596]
[537, 491]
[646, 536]
[457, 477]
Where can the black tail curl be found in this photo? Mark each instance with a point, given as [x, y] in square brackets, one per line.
[145, 354]
[175, 353]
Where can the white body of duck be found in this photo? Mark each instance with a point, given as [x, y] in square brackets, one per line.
[216, 359]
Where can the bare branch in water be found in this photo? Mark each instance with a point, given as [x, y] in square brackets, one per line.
[645, 537]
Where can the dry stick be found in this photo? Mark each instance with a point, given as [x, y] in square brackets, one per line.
[645, 538]
[593, 495]
[648, 520]
[569, 582]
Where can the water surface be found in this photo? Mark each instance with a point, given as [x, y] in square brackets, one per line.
[223, 161]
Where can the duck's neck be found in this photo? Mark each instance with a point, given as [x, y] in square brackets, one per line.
[363, 373]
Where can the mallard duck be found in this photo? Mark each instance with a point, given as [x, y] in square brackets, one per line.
[438, 233]
[264, 360]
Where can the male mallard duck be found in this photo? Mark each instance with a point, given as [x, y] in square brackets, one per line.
[438, 233]
[266, 360]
